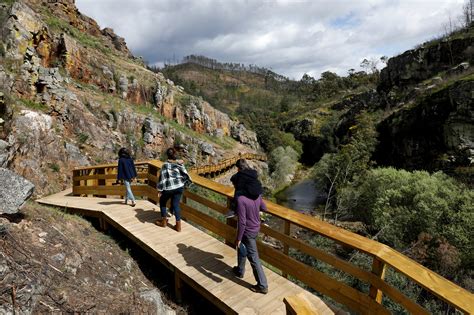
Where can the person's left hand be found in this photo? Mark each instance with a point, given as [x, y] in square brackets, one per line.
[237, 244]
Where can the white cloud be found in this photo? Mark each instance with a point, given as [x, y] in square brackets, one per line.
[292, 37]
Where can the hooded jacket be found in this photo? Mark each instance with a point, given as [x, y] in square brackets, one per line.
[246, 182]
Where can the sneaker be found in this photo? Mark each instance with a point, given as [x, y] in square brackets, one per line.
[133, 204]
[258, 289]
[236, 272]
[230, 214]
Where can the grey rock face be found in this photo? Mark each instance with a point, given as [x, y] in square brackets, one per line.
[416, 65]
[160, 94]
[14, 191]
[3, 152]
[123, 86]
[74, 154]
[207, 148]
[151, 129]
[241, 134]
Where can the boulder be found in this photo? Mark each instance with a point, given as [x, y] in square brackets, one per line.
[241, 134]
[14, 191]
[151, 129]
[154, 296]
[207, 148]
[117, 41]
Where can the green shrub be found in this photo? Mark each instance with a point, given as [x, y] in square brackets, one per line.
[401, 205]
[82, 138]
[34, 105]
[54, 167]
[283, 164]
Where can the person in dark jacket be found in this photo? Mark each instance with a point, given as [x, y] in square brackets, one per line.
[246, 184]
[126, 173]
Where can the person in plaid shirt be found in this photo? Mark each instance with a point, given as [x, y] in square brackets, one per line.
[173, 178]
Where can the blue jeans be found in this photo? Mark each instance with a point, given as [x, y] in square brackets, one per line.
[175, 196]
[129, 194]
[252, 254]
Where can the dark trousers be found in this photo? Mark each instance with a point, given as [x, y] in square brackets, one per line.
[252, 255]
[175, 196]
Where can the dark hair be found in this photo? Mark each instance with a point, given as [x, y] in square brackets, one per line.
[242, 164]
[123, 152]
[171, 154]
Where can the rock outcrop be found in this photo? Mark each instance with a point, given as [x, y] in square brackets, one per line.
[435, 133]
[419, 64]
[14, 191]
[76, 95]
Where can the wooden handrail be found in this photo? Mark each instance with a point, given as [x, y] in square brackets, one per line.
[226, 164]
[96, 181]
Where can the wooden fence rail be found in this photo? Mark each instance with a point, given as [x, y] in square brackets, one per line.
[226, 164]
[208, 213]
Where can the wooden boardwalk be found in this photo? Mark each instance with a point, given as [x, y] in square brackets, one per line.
[198, 259]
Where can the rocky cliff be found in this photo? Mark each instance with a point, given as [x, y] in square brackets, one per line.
[72, 94]
[424, 109]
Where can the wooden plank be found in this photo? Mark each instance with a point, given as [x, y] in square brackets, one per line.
[298, 305]
[105, 176]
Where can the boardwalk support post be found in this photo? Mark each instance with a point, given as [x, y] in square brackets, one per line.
[378, 268]
[103, 225]
[177, 286]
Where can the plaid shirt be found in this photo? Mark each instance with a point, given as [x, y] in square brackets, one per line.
[172, 176]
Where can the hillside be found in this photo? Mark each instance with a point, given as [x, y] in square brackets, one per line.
[72, 94]
[264, 100]
[55, 262]
[420, 103]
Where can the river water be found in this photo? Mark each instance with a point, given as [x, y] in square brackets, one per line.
[302, 196]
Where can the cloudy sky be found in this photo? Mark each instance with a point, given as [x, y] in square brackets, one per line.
[291, 37]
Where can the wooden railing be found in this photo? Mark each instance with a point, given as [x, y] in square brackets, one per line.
[226, 164]
[208, 213]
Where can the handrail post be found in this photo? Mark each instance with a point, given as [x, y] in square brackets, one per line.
[286, 247]
[100, 182]
[75, 183]
[152, 170]
[378, 269]
[230, 221]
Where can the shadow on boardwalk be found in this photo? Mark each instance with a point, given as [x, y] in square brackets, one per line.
[209, 264]
[147, 215]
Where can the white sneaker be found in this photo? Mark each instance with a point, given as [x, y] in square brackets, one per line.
[230, 214]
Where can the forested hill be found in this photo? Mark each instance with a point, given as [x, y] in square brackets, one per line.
[419, 103]
[261, 98]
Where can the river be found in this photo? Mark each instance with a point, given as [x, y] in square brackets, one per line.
[302, 196]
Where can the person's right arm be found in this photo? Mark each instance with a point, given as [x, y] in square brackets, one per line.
[263, 206]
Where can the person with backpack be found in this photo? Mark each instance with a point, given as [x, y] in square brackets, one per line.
[248, 212]
[126, 172]
[246, 184]
[171, 184]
